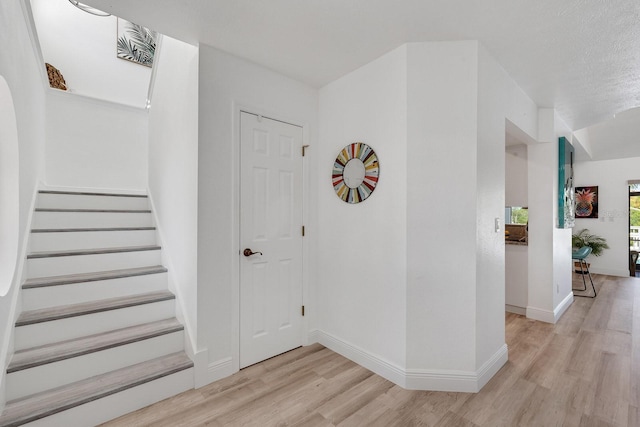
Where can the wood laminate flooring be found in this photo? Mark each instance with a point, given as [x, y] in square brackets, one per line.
[583, 371]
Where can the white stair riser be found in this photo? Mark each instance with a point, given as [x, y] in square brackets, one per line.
[75, 327]
[40, 378]
[57, 266]
[118, 404]
[72, 201]
[91, 219]
[75, 293]
[42, 242]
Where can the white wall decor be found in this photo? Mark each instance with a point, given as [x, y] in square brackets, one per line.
[136, 43]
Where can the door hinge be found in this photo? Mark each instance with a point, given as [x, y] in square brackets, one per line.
[303, 231]
[303, 310]
[304, 150]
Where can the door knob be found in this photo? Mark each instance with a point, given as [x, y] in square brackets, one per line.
[249, 252]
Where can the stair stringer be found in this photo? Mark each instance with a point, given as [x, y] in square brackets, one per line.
[13, 303]
[190, 335]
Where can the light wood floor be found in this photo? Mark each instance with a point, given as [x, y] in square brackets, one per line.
[583, 371]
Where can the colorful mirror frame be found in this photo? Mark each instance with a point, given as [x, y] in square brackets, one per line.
[368, 157]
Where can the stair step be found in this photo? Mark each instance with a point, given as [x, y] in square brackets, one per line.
[75, 230]
[71, 239]
[37, 356]
[100, 251]
[73, 310]
[113, 216]
[67, 279]
[82, 193]
[90, 200]
[94, 210]
[61, 265]
[35, 407]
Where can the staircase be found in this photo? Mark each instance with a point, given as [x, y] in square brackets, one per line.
[97, 336]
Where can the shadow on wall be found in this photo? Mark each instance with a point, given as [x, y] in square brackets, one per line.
[8, 188]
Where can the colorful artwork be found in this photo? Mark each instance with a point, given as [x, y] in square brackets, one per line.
[566, 192]
[355, 172]
[587, 202]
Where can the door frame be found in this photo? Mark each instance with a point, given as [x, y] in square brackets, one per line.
[237, 109]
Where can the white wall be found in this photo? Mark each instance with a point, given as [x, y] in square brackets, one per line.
[363, 247]
[516, 182]
[22, 71]
[549, 247]
[562, 264]
[83, 47]
[95, 144]
[452, 166]
[499, 100]
[516, 259]
[227, 83]
[173, 171]
[611, 177]
[441, 204]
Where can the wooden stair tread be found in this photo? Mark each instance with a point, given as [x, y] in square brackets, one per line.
[82, 193]
[98, 251]
[40, 282]
[42, 355]
[50, 402]
[73, 310]
[94, 210]
[75, 230]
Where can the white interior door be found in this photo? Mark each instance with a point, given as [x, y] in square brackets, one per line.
[271, 227]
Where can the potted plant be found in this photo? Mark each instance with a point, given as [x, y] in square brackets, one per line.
[585, 238]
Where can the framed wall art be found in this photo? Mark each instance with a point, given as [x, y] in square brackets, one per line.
[587, 202]
[136, 43]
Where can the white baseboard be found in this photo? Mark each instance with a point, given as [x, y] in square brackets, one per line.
[416, 379]
[515, 309]
[492, 366]
[385, 369]
[206, 373]
[540, 314]
[562, 307]
[549, 316]
[457, 381]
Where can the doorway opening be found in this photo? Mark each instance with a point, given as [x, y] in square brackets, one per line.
[634, 228]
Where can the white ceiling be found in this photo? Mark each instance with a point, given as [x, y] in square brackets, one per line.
[581, 57]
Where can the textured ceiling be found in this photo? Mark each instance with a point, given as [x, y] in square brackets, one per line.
[581, 57]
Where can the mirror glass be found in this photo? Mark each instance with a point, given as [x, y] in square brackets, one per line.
[354, 173]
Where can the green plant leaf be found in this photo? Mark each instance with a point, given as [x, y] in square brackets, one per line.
[585, 238]
[138, 44]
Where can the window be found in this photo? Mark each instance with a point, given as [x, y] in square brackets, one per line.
[516, 215]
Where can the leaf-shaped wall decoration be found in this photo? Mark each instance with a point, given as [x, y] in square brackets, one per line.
[136, 43]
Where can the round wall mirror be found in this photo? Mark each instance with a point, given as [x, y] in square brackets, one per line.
[355, 172]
